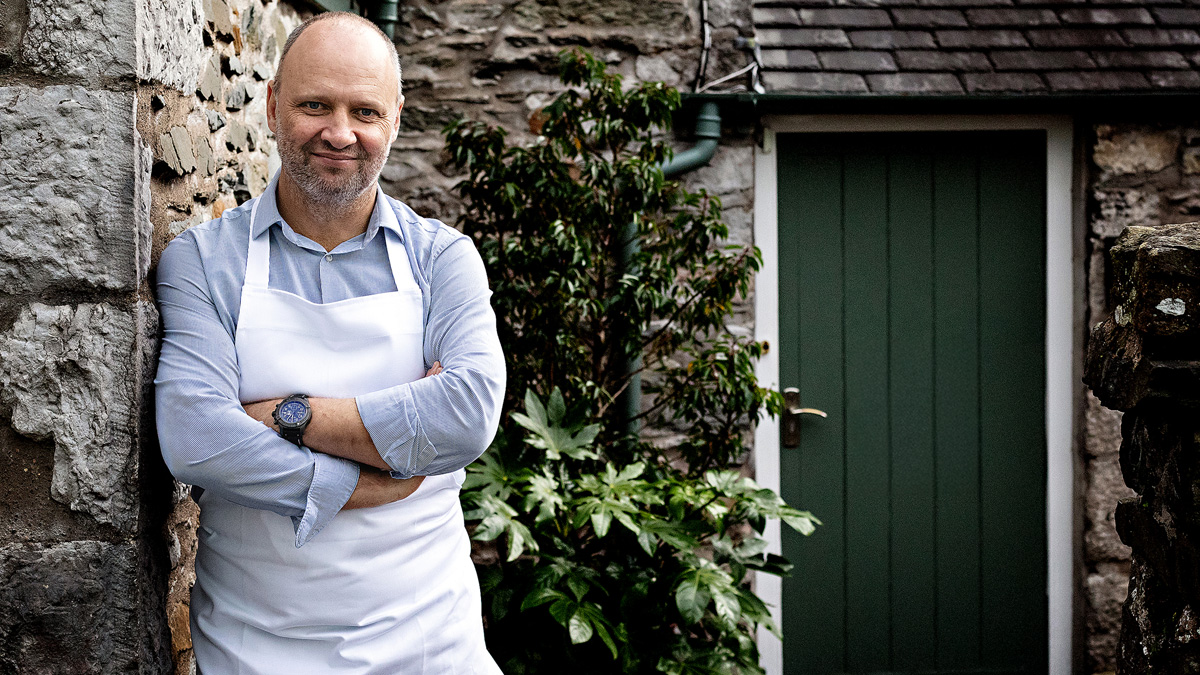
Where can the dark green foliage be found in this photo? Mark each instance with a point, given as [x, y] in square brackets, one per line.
[619, 557]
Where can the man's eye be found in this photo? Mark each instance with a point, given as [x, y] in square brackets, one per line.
[367, 112]
[310, 105]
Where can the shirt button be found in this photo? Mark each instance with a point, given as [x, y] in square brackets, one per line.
[328, 257]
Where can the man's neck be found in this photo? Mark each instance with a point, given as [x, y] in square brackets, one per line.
[325, 224]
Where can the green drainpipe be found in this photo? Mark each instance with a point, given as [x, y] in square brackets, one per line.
[708, 135]
[388, 17]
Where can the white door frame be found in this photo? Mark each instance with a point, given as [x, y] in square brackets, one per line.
[1060, 353]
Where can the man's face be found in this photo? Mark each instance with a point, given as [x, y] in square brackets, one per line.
[336, 112]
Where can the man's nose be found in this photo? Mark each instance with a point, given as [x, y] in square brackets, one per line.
[338, 133]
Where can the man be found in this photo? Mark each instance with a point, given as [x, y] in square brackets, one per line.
[297, 331]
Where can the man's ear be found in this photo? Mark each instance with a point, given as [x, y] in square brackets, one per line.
[272, 99]
[396, 125]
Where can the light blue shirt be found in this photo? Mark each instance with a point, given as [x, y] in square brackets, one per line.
[431, 426]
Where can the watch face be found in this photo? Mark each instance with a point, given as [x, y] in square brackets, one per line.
[292, 412]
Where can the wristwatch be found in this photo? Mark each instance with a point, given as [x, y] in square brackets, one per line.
[292, 416]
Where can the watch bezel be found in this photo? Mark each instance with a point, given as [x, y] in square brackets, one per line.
[293, 431]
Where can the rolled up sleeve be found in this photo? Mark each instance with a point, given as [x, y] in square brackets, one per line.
[206, 438]
[440, 424]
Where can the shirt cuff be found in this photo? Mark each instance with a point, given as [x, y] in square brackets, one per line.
[390, 416]
[334, 480]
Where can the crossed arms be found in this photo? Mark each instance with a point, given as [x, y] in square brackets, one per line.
[431, 426]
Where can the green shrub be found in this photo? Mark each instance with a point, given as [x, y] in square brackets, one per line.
[617, 556]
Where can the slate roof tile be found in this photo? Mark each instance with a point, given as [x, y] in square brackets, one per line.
[932, 60]
[891, 39]
[857, 61]
[845, 18]
[974, 39]
[1012, 17]
[998, 82]
[1161, 60]
[914, 83]
[939, 47]
[929, 18]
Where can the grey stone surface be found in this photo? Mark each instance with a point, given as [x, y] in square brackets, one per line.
[89, 39]
[66, 198]
[210, 82]
[1118, 208]
[170, 42]
[70, 609]
[13, 16]
[72, 374]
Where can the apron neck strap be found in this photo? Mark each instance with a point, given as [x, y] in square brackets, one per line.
[258, 256]
[258, 253]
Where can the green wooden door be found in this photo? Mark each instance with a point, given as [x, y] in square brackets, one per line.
[912, 303]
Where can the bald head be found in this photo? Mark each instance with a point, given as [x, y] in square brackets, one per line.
[341, 27]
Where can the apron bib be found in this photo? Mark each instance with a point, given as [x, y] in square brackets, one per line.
[388, 590]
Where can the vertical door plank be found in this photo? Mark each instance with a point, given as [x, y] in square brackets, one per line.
[813, 473]
[1012, 403]
[910, 411]
[956, 395]
[866, 446]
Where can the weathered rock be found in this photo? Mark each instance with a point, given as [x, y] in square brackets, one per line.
[1126, 151]
[72, 374]
[67, 196]
[170, 42]
[89, 39]
[70, 608]
[178, 151]
[1145, 360]
[1119, 208]
[13, 17]
[210, 83]
[239, 137]
[236, 97]
[1106, 592]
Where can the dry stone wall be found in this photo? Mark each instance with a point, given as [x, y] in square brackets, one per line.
[1144, 359]
[1139, 175]
[122, 122]
[203, 116]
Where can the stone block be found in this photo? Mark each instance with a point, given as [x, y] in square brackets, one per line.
[177, 150]
[727, 173]
[89, 39]
[1106, 593]
[209, 87]
[1118, 208]
[13, 17]
[656, 69]
[170, 42]
[1123, 151]
[73, 374]
[71, 609]
[67, 199]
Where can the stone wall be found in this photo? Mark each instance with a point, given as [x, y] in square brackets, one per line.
[1145, 360]
[1145, 175]
[122, 122]
[211, 151]
[81, 561]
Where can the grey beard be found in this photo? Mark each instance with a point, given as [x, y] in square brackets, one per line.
[295, 162]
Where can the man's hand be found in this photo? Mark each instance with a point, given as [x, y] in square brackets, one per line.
[376, 488]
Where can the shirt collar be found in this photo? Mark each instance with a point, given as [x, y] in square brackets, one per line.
[268, 213]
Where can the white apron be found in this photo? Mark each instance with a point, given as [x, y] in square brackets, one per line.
[389, 590]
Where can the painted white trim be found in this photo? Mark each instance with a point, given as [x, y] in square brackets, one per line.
[1060, 354]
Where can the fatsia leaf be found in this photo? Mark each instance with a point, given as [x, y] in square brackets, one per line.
[579, 628]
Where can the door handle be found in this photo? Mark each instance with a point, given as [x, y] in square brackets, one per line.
[791, 416]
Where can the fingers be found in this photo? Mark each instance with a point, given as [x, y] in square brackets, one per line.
[434, 369]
